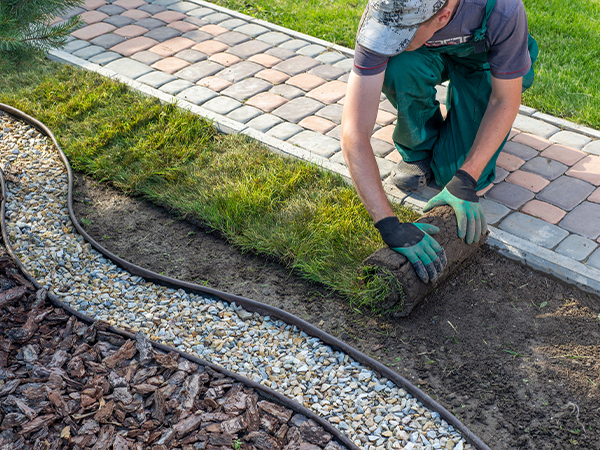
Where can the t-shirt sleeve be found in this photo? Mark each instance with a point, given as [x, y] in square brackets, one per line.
[368, 63]
[508, 55]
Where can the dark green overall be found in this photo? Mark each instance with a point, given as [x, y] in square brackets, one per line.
[421, 131]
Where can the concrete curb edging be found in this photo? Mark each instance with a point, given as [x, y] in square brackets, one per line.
[513, 247]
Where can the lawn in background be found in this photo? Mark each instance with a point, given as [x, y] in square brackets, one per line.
[307, 218]
[568, 33]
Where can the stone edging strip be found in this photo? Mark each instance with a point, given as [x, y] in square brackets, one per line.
[532, 255]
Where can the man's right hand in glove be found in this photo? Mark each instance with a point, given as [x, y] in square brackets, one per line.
[413, 240]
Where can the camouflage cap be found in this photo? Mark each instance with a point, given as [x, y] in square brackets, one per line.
[388, 26]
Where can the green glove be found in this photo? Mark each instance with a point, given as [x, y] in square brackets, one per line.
[460, 193]
[413, 240]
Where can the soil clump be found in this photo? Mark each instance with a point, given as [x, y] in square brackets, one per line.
[514, 354]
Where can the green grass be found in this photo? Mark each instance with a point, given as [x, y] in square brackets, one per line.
[309, 219]
[568, 34]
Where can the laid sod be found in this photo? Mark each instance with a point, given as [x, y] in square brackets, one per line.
[567, 71]
[309, 219]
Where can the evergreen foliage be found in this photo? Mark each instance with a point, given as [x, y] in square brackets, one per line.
[25, 25]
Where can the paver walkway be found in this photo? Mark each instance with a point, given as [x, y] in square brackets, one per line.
[285, 88]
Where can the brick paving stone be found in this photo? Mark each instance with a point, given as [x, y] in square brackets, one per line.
[129, 67]
[222, 105]
[593, 148]
[565, 155]
[394, 156]
[214, 83]
[294, 44]
[199, 13]
[594, 260]
[317, 124]
[545, 167]
[509, 162]
[327, 72]
[225, 59]
[566, 192]
[338, 158]
[111, 10]
[130, 31]
[520, 150]
[119, 21]
[297, 65]
[384, 118]
[280, 53]
[88, 52]
[587, 169]
[164, 3]
[182, 7]
[385, 134]
[501, 175]
[329, 93]
[381, 148]
[316, 143]
[345, 64]
[210, 47]
[285, 130]
[344, 78]
[156, 79]
[264, 122]
[191, 56]
[232, 38]
[150, 9]
[299, 108]
[311, 50]
[199, 36]
[545, 211]
[129, 4]
[272, 76]
[330, 57]
[534, 126]
[266, 101]
[287, 91]
[533, 230]
[93, 4]
[253, 30]
[93, 31]
[75, 45]
[150, 23]
[175, 87]
[131, 46]
[217, 17]
[172, 46]
[196, 21]
[247, 49]
[232, 23]
[199, 70]
[146, 57]
[163, 34]
[136, 14]
[510, 195]
[265, 60]
[387, 106]
[72, 12]
[247, 88]
[240, 71]
[513, 132]
[332, 113]
[91, 17]
[104, 58]
[571, 139]
[197, 95]
[482, 192]
[385, 167]
[595, 197]
[305, 81]
[494, 212]
[528, 180]
[183, 26]
[274, 38]
[213, 29]
[576, 247]
[584, 220]
[170, 65]
[336, 133]
[169, 16]
[244, 114]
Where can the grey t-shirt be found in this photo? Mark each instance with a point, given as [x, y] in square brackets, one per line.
[506, 39]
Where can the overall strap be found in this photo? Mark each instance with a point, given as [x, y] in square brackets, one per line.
[479, 44]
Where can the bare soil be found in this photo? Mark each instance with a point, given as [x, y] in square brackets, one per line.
[512, 353]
